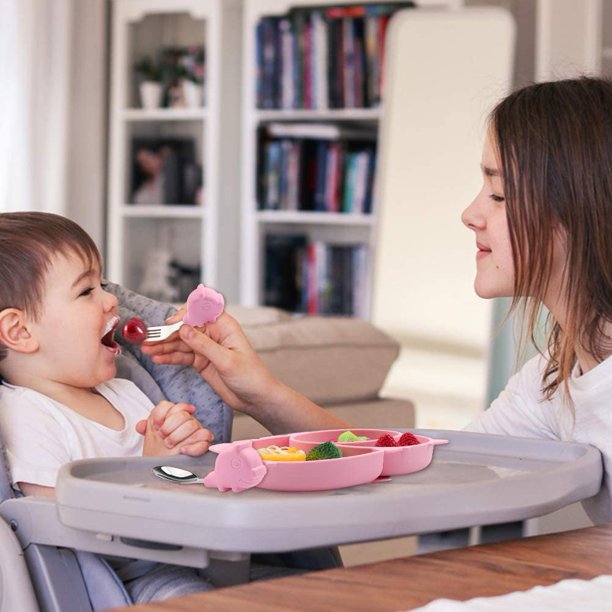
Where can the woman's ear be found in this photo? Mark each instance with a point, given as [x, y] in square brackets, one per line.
[15, 333]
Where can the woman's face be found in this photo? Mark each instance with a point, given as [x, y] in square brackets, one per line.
[486, 217]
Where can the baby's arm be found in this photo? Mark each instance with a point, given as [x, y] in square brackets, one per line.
[172, 429]
[32, 489]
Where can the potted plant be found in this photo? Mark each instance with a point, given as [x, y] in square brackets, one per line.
[192, 76]
[150, 86]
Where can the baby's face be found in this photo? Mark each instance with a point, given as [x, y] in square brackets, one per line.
[75, 329]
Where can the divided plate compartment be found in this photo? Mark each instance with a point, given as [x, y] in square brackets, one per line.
[397, 459]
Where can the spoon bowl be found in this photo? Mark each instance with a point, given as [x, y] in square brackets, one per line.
[176, 474]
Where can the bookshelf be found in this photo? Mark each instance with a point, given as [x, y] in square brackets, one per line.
[167, 169]
[319, 247]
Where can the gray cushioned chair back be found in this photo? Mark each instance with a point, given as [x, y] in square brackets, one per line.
[174, 383]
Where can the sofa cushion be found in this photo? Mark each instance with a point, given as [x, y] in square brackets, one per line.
[328, 359]
[258, 315]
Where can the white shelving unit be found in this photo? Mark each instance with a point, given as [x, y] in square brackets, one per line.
[338, 228]
[188, 231]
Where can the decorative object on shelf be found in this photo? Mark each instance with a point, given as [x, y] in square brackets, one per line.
[151, 88]
[193, 93]
[185, 69]
[157, 278]
[164, 171]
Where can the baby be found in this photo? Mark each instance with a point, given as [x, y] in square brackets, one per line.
[59, 398]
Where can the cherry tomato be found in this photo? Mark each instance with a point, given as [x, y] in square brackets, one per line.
[134, 331]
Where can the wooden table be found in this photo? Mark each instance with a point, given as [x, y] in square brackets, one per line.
[401, 584]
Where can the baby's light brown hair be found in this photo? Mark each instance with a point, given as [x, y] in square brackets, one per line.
[28, 243]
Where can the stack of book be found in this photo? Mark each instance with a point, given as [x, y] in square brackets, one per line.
[323, 58]
[314, 277]
[320, 167]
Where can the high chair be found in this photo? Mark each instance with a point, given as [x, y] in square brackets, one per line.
[48, 566]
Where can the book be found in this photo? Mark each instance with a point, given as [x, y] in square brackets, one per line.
[272, 175]
[282, 271]
[269, 56]
[320, 55]
[320, 131]
[287, 45]
[320, 196]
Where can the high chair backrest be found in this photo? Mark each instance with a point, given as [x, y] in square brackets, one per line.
[174, 383]
[6, 489]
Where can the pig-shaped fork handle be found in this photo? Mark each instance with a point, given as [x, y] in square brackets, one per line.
[204, 305]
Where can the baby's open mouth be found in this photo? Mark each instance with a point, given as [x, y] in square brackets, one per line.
[108, 337]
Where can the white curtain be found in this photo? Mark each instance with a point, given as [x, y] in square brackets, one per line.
[35, 41]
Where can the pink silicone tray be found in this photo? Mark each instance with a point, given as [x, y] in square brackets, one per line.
[239, 466]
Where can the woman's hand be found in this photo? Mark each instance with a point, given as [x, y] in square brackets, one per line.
[225, 359]
[172, 429]
[223, 356]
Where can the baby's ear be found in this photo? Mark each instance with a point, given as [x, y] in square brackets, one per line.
[14, 331]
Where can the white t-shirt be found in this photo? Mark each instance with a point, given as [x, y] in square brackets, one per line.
[521, 410]
[41, 434]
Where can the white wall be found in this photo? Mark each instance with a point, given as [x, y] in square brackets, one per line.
[87, 119]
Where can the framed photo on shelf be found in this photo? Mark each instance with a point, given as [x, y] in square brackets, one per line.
[164, 171]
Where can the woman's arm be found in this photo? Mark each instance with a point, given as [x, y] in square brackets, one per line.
[225, 359]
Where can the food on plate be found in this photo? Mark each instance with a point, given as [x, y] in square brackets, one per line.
[386, 440]
[281, 453]
[327, 450]
[349, 436]
[408, 439]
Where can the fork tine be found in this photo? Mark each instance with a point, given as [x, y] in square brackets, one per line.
[161, 332]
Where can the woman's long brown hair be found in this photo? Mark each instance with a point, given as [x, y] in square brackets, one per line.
[554, 142]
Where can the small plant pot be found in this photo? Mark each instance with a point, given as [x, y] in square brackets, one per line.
[193, 94]
[151, 94]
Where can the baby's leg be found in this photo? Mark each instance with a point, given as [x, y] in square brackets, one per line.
[167, 581]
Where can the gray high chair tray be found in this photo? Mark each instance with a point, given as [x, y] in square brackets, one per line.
[476, 479]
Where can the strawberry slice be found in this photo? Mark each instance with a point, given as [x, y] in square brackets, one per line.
[386, 440]
[408, 439]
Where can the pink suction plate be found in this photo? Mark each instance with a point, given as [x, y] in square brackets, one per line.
[356, 466]
[397, 459]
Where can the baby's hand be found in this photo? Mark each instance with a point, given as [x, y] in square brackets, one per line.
[172, 429]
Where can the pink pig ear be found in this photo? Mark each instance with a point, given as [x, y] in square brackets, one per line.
[219, 448]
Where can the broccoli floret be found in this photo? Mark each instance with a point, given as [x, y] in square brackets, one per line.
[327, 450]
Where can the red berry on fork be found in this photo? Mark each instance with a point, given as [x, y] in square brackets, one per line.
[408, 439]
[134, 331]
[386, 440]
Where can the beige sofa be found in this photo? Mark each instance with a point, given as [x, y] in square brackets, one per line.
[338, 362]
